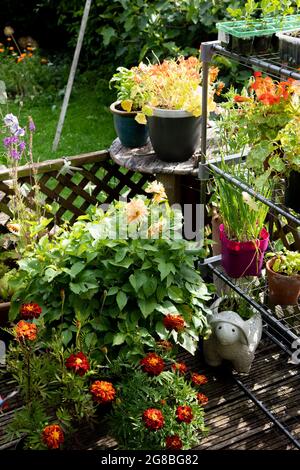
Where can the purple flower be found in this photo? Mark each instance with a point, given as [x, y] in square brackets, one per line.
[11, 120]
[15, 155]
[22, 145]
[8, 141]
[31, 125]
[20, 132]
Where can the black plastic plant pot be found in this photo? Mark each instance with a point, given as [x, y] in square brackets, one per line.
[292, 199]
[131, 133]
[174, 134]
[263, 44]
[289, 47]
[243, 46]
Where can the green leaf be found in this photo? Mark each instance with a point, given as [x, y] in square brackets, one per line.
[113, 290]
[66, 337]
[14, 310]
[108, 33]
[165, 269]
[51, 273]
[175, 293]
[277, 163]
[150, 286]
[118, 339]
[147, 306]
[77, 268]
[121, 300]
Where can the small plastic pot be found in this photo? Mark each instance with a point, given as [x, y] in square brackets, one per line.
[289, 48]
[283, 289]
[241, 259]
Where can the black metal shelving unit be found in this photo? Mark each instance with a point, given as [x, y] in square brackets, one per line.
[282, 329]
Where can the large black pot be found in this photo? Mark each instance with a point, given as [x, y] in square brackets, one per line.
[292, 187]
[131, 133]
[174, 134]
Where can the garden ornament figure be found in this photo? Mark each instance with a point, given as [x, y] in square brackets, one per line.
[232, 338]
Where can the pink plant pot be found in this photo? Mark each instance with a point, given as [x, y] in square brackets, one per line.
[241, 259]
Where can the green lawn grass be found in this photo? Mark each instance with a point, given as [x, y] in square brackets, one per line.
[88, 125]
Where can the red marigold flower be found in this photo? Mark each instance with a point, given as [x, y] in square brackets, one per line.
[102, 391]
[30, 311]
[153, 419]
[25, 330]
[78, 363]
[173, 322]
[257, 74]
[53, 436]
[184, 414]
[198, 379]
[152, 364]
[202, 399]
[173, 442]
[179, 367]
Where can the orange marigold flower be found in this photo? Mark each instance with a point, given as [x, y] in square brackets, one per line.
[198, 379]
[78, 363]
[219, 88]
[173, 322]
[1, 50]
[102, 391]
[53, 436]
[173, 442]
[25, 330]
[202, 399]
[179, 367]
[212, 74]
[153, 419]
[30, 311]
[257, 74]
[11, 48]
[165, 344]
[184, 414]
[152, 364]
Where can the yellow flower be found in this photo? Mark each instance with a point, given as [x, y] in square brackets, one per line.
[8, 31]
[158, 190]
[136, 210]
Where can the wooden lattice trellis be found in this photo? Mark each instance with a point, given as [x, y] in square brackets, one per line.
[93, 179]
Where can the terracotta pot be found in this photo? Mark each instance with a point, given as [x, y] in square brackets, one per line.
[4, 309]
[283, 289]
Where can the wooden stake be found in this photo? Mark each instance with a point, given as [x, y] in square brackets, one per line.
[72, 74]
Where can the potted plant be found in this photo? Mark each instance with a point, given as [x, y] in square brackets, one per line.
[253, 28]
[289, 47]
[173, 108]
[236, 333]
[283, 272]
[131, 97]
[243, 236]
[289, 142]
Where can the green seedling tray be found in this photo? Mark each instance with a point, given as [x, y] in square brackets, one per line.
[263, 27]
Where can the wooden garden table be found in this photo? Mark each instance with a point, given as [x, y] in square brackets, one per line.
[177, 177]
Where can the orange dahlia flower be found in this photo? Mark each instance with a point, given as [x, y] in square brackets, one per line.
[199, 379]
[179, 367]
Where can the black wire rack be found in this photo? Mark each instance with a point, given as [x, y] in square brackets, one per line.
[281, 325]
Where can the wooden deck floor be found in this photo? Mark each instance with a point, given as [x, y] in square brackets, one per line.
[235, 422]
